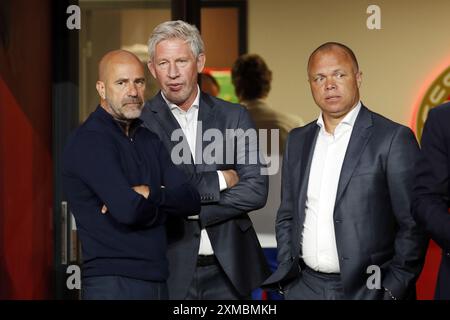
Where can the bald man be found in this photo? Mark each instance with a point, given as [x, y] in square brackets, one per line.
[344, 227]
[121, 185]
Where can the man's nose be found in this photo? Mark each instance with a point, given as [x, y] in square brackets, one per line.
[173, 71]
[132, 90]
[330, 83]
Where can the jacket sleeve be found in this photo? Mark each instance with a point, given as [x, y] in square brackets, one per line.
[283, 223]
[410, 241]
[431, 191]
[207, 184]
[95, 159]
[288, 267]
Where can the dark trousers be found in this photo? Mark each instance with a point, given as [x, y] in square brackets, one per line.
[122, 288]
[211, 283]
[312, 285]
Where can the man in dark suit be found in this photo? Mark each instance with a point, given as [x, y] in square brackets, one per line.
[432, 190]
[344, 228]
[216, 254]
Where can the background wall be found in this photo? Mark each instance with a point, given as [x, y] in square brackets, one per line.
[221, 43]
[396, 60]
[131, 28]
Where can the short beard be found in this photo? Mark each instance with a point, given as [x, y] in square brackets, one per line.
[125, 114]
[132, 114]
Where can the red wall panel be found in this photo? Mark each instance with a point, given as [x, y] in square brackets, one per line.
[26, 238]
[426, 283]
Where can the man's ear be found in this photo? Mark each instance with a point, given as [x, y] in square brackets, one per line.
[201, 59]
[151, 68]
[359, 78]
[100, 85]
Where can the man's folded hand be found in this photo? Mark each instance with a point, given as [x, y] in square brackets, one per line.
[143, 190]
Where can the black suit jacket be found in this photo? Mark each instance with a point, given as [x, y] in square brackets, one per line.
[432, 189]
[372, 219]
[223, 214]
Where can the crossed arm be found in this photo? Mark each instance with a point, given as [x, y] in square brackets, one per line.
[98, 165]
[246, 187]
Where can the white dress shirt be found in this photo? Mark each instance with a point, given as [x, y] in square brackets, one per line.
[319, 250]
[188, 123]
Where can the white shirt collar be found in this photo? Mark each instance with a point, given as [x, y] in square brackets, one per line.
[174, 106]
[349, 119]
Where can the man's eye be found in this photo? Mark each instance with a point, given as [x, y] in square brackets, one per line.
[318, 79]
[120, 83]
[339, 75]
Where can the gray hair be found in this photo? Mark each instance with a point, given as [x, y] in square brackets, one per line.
[176, 30]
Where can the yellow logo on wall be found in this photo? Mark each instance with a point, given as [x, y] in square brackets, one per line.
[437, 93]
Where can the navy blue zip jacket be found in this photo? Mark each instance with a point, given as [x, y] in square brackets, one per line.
[100, 166]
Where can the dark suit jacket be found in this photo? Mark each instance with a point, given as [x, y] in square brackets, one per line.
[223, 214]
[432, 189]
[373, 224]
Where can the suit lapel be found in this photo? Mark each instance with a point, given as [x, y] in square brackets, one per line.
[358, 141]
[164, 116]
[167, 121]
[206, 120]
[306, 158]
[307, 153]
